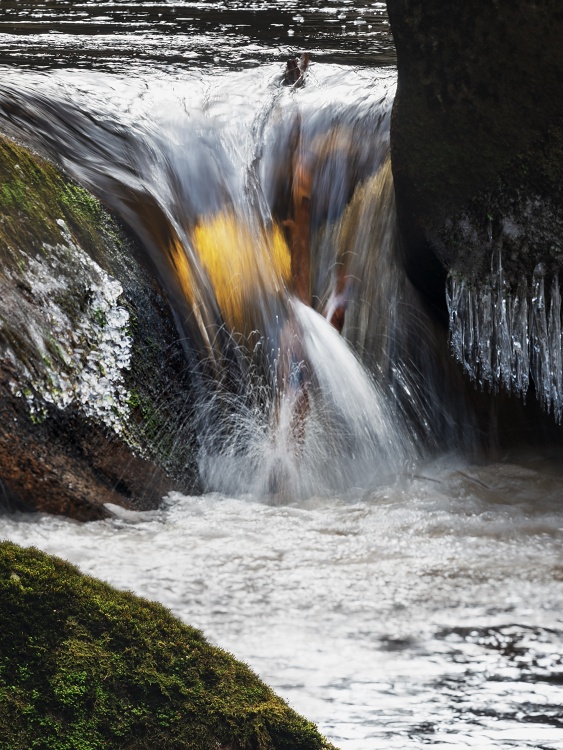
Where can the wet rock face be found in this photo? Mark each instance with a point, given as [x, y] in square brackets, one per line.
[94, 385]
[477, 138]
[477, 155]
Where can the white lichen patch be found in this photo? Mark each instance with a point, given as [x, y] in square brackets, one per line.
[77, 335]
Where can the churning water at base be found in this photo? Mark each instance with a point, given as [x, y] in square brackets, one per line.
[346, 437]
[426, 612]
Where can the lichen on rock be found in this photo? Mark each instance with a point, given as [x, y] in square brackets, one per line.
[95, 397]
[76, 335]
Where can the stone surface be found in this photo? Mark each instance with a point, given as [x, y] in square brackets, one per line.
[94, 386]
[477, 137]
[83, 665]
[477, 157]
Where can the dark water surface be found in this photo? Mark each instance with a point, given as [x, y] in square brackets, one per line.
[115, 35]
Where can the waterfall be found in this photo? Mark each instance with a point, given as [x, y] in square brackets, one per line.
[273, 232]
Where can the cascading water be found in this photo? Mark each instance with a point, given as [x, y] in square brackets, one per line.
[213, 199]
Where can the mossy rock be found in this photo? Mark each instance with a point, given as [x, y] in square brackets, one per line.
[95, 388]
[85, 667]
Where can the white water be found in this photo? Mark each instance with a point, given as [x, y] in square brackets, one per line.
[352, 435]
[428, 611]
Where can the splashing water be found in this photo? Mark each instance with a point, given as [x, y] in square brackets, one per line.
[328, 427]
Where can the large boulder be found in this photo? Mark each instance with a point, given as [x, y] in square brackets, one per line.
[477, 153]
[85, 666]
[94, 385]
[477, 130]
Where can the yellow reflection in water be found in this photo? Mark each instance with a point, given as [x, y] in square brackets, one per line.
[241, 264]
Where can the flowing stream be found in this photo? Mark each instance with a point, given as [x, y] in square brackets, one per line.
[349, 546]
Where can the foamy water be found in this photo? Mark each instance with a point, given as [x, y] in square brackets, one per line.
[429, 611]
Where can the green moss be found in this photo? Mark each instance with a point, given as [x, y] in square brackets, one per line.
[152, 422]
[86, 667]
[33, 196]
[133, 399]
[100, 317]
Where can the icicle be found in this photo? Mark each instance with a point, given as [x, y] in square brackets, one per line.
[519, 336]
[502, 338]
[476, 333]
[469, 360]
[503, 343]
[539, 360]
[455, 289]
[555, 350]
[484, 344]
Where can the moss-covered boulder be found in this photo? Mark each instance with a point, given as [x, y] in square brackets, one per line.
[86, 667]
[94, 384]
[477, 137]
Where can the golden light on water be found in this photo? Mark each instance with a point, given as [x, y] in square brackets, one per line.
[240, 263]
